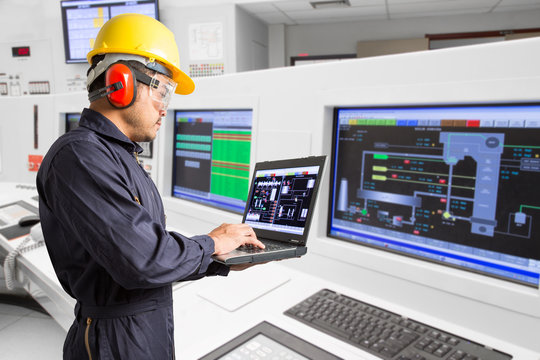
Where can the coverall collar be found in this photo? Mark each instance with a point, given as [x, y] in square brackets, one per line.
[97, 122]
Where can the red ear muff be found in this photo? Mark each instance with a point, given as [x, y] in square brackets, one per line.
[122, 78]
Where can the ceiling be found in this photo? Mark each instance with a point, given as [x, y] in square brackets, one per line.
[296, 12]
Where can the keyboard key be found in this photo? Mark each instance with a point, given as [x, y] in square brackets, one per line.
[421, 329]
[431, 348]
[458, 355]
[388, 352]
[330, 328]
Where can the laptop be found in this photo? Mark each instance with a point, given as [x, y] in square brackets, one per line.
[280, 204]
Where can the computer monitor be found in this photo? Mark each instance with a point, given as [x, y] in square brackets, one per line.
[454, 185]
[72, 121]
[211, 157]
[82, 19]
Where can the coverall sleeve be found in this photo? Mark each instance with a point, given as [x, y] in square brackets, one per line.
[91, 198]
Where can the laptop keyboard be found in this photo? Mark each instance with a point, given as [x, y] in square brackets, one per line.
[269, 246]
[383, 333]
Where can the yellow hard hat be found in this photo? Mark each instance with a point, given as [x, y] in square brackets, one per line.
[144, 36]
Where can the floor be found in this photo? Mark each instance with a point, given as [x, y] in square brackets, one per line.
[27, 334]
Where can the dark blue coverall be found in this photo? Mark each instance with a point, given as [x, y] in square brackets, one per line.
[104, 227]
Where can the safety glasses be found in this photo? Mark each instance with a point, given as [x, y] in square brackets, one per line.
[161, 90]
[160, 87]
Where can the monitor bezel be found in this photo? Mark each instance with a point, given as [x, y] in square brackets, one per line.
[65, 31]
[330, 207]
[173, 167]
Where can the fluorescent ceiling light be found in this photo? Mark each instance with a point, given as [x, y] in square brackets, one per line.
[330, 4]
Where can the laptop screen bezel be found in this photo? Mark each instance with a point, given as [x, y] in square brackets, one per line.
[297, 239]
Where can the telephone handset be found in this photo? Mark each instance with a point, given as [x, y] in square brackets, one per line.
[36, 240]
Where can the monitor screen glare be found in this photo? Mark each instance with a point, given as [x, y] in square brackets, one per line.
[211, 157]
[455, 185]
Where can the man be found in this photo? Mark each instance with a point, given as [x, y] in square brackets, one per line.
[102, 216]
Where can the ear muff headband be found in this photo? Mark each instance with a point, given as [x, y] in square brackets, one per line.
[120, 85]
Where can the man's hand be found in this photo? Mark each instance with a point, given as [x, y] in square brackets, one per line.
[228, 237]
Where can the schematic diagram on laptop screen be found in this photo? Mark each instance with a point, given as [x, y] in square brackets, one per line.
[281, 199]
[212, 151]
[451, 184]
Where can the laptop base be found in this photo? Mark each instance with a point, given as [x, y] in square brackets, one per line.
[262, 257]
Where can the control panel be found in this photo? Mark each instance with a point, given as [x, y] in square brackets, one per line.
[26, 69]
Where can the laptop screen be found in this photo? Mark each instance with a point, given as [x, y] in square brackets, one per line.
[281, 199]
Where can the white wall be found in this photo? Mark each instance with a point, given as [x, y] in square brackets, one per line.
[251, 42]
[276, 46]
[28, 22]
[178, 19]
[341, 38]
[40, 21]
[17, 135]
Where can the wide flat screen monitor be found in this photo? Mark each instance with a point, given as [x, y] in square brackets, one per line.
[455, 185]
[211, 159]
[82, 19]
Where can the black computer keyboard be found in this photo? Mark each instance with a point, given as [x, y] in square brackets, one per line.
[383, 333]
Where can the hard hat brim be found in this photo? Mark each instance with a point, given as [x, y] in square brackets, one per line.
[185, 84]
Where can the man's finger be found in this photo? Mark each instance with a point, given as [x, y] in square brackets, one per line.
[254, 241]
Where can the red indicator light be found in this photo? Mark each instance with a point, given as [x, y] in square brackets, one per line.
[394, 176]
[442, 181]
[303, 54]
[473, 123]
[443, 200]
[406, 161]
[416, 232]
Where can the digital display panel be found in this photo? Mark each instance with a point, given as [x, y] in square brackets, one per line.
[281, 198]
[20, 51]
[82, 20]
[449, 184]
[211, 162]
[72, 121]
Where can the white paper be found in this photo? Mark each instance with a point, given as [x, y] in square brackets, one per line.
[206, 41]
